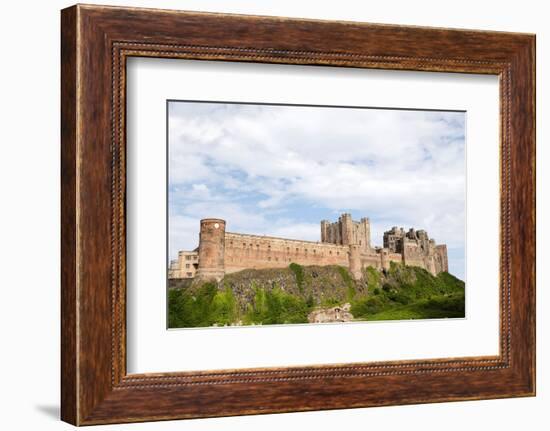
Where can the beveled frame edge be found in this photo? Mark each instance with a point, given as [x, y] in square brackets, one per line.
[95, 43]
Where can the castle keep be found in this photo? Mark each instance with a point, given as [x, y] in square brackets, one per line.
[345, 242]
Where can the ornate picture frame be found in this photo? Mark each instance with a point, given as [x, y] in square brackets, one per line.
[96, 41]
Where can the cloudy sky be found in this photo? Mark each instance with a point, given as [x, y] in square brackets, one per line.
[279, 170]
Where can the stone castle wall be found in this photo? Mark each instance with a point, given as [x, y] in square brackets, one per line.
[244, 251]
[345, 243]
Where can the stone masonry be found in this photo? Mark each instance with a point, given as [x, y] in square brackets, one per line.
[345, 242]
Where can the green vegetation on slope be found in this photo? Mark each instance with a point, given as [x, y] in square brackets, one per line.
[275, 306]
[410, 293]
[435, 308]
[280, 296]
[298, 271]
[207, 306]
[349, 282]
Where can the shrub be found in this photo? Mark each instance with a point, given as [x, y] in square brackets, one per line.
[400, 297]
[224, 308]
[276, 307]
[329, 302]
[298, 271]
[372, 276]
[348, 281]
[365, 307]
[206, 306]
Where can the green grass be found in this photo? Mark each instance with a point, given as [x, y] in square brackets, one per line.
[409, 293]
[451, 306]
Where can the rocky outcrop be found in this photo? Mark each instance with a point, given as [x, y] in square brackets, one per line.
[333, 314]
[318, 285]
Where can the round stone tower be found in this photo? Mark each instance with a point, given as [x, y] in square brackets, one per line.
[355, 261]
[211, 249]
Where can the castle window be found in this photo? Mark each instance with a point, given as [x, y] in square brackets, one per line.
[189, 274]
[187, 257]
[330, 252]
[269, 258]
[297, 250]
[187, 265]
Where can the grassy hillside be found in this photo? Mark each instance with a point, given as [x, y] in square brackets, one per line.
[405, 292]
[288, 295]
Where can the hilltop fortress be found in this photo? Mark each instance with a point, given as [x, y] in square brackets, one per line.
[345, 242]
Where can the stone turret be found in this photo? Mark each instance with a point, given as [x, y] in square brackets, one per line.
[364, 233]
[211, 249]
[384, 258]
[325, 231]
[355, 261]
[347, 229]
[441, 252]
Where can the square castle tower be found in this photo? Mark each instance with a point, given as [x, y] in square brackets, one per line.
[345, 231]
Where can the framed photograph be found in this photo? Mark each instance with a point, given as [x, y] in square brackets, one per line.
[264, 214]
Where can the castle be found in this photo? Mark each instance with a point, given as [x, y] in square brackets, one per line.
[345, 242]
